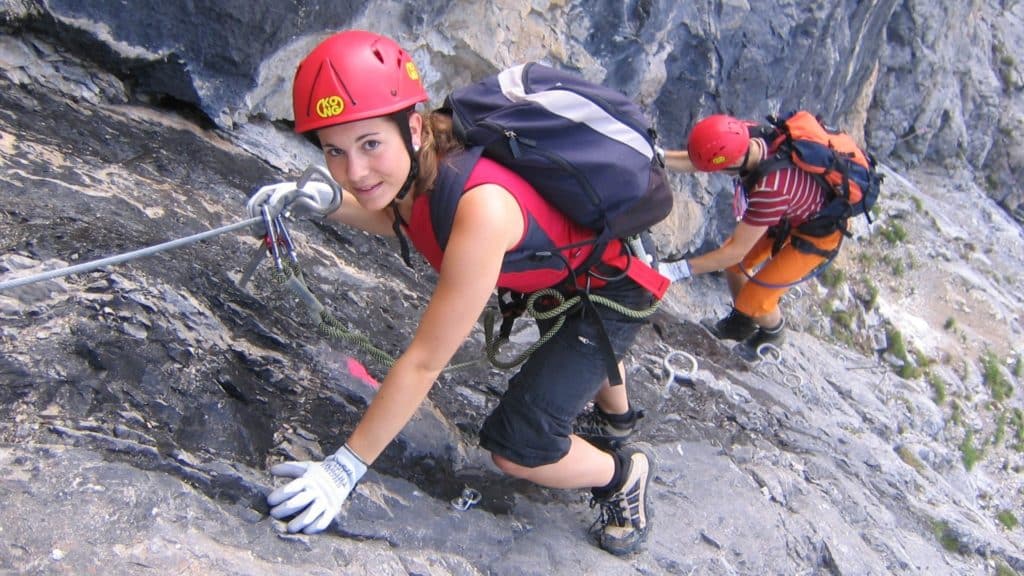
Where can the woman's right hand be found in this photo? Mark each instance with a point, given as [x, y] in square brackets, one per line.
[315, 199]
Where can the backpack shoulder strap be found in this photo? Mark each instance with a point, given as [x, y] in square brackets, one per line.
[771, 164]
[448, 189]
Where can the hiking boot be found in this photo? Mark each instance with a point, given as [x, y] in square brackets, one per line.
[597, 427]
[626, 515]
[750, 349]
[735, 326]
[775, 336]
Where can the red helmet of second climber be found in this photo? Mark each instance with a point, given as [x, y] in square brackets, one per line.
[718, 142]
[354, 75]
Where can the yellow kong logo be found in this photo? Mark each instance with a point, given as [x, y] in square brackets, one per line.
[410, 69]
[330, 106]
[718, 160]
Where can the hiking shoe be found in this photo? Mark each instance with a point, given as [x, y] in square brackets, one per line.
[626, 515]
[735, 326]
[594, 425]
[775, 336]
[750, 349]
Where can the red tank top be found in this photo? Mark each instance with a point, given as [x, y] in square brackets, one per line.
[545, 231]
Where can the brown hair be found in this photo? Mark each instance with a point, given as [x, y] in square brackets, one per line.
[437, 142]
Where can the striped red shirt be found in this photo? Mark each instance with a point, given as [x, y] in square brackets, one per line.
[789, 194]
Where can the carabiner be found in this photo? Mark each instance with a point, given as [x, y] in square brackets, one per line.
[286, 239]
[271, 237]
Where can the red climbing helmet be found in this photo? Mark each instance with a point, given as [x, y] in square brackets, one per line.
[718, 142]
[354, 75]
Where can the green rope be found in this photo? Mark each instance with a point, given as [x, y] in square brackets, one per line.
[330, 327]
[492, 345]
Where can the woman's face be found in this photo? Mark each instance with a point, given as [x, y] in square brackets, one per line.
[368, 158]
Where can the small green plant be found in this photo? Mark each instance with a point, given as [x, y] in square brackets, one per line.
[938, 387]
[832, 277]
[956, 414]
[969, 453]
[946, 536]
[896, 346]
[1018, 367]
[1000, 434]
[991, 180]
[894, 233]
[918, 203]
[1017, 421]
[993, 377]
[876, 211]
[1007, 519]
[909, 371]
[843, 319]
[873, 297]
[898, 268]
[949, 324]
[922, 359]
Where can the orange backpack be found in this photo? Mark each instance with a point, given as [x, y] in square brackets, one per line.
[832, 157]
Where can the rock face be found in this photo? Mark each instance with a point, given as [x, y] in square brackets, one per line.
[141, 404]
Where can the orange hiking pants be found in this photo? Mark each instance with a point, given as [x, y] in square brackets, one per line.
[776, 272]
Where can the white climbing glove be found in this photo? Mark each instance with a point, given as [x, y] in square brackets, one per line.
[318, 491]
[678, 270]
[314, 199]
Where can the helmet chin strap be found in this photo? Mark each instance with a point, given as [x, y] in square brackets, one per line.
[402, 118]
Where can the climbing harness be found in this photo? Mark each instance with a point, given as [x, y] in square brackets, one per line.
[769, 355]
[468, 498]
[675, 375]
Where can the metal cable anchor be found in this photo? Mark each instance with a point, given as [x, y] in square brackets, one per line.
[676, 375]
[469, 497]
[771, 355]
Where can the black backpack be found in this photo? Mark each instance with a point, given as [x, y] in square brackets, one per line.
[585, 147]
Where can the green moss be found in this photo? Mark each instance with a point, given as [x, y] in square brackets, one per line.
[949, 324]
[1007, 519]
[918, 203]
